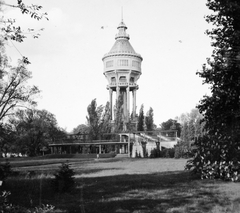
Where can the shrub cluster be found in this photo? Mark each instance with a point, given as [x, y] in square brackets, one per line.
[164, 153]
[64, 180]
[182, 151]
[5, 170]
[6, 207]
[215, 158]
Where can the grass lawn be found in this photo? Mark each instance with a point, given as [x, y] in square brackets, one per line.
[124, 185]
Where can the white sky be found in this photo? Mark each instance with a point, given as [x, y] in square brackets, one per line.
[66, 61]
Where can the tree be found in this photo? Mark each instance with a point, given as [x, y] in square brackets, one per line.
[106, 119]
[34, 129]
[98, 119]
[14, 92]
[191, 130]
[149, 120]
[118, 124]
[81, 129]
[13, 32]
[218, 151]
[7, 138]
[184, 132]
[140, 124]
[172, 125]
[94, 118]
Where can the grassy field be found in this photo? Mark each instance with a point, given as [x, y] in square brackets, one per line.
[123, 185]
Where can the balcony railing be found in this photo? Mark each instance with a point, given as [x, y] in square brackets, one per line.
[131, 84]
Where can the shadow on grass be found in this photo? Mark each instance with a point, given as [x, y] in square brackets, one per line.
[91, 171]
[159, 192]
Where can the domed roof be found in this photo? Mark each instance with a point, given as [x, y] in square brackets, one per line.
[122, 45]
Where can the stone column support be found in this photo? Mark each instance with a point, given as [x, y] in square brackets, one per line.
[134, 102]
[128, 104]
[118, 92]
[110, 102]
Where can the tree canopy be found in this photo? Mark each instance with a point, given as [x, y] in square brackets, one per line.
[14, 91]
[149, 122]
[218, 154]
[140, 124]
[98, 119]
[171, 124]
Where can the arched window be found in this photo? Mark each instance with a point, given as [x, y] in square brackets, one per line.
[113, 80]
[122, 79]
[132, 79]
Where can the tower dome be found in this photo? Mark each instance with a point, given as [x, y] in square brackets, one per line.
[122, 68]
[122, 45]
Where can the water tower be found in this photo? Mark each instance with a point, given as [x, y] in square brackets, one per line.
[122, 68]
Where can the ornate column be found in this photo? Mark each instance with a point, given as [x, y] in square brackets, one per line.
[134, 102]
[124, 103]
[110, 101]
[118, 92]
[128, 103]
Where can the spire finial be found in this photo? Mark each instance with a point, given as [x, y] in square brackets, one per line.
[122, 13]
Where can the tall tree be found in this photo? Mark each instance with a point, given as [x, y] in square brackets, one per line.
[118, 125]
[7, 139]
[106, 119]
[94, 118]
[34, 128]
[184, 132]
[191, 130]
[140, 124]
[221, 110]
[15, 92]
[149, 120]
[98, 119]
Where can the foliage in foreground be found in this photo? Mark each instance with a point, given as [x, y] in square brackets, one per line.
[212, 163]
[6, 207]
[217, 155]
[5, 170]
[64, 180]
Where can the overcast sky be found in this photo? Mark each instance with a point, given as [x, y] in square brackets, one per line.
[66, 60]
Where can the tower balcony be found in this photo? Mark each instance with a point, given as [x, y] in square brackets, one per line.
[113, 85]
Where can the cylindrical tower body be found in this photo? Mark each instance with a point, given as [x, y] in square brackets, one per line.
[122, 68]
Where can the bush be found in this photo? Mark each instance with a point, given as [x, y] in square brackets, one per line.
[215, 158]
[167, 153]
[155, 153]
[5, 170]
[64, 180]
[183, 151]
[7, 207]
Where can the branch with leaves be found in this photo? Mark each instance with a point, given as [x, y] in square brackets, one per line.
[12, 32]
[14, 92]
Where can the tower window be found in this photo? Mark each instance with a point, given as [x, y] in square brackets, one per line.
[132, 79]
[109, 63]
[123, 62]
[136, 64]
[113, 79]
[122, 79]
